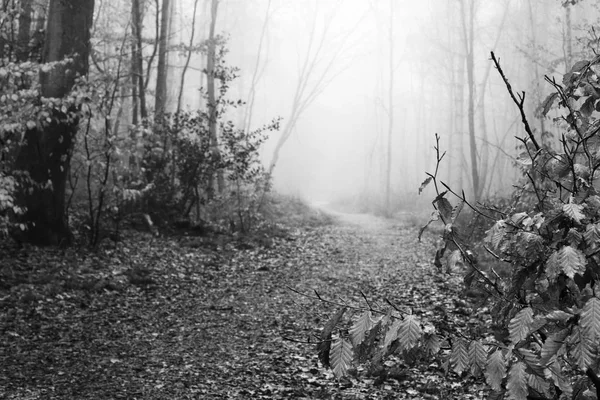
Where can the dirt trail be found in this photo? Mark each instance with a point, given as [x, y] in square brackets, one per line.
[368, 222]
[226, 323]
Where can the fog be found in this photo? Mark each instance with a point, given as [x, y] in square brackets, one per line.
[366, 65]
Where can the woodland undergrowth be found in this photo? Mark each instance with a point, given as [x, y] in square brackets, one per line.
[544, 336]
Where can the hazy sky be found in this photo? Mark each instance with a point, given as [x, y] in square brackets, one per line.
[339, 144]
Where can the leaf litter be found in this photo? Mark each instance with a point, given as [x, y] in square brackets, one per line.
[171, 318]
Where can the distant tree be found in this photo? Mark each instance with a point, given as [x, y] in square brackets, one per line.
[137, 65]
[258, 70]
[317, 71]
[211, 89]
[388, 167]
[188, 57]
[162, 67]
[46, 151]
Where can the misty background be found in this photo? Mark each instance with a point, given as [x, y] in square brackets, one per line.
[375, 80]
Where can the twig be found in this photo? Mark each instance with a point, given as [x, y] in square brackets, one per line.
[463, 198]
[394, 306]
[305, 341]
[519, 102]
[334, 303]
[366, 300]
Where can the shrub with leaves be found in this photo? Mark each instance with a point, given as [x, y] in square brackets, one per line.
[547, 311]
[180, 159]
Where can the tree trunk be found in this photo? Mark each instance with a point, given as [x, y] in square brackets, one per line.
[188, 57]
[536, 70]
[24, 34]
[137, 63]
[468, 37]
[46, 153]
[568, 45]
[210, 83]
[388, 167]
[162, 68]
[257, 73]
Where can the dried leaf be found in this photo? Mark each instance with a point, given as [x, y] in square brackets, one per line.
[341, 357]
[424, 184]
[360, 328]
[325, 344]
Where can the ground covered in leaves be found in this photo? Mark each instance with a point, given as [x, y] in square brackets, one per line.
[215, 318]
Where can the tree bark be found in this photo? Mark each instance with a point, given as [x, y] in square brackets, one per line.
[210, 83]
[388, 167]
[46, 152]
[24, 34]
[137, 63]
[160, 100]
[469, 39]
[188, 58]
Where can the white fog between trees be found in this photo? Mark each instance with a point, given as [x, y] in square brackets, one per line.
[338, 55]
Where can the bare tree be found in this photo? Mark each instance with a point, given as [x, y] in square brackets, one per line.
[258, 69]
[312, 79]
[188, 56]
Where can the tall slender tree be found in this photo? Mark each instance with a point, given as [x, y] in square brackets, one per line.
[162, 67]
[468, 22]
[137, 65]
[388, 167]
[211, 89]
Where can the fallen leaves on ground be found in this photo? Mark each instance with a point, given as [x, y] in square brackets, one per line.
[171, 318]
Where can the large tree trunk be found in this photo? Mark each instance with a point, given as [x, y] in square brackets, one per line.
[46, 152]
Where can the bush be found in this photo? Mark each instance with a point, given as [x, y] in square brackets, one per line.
[546, 308]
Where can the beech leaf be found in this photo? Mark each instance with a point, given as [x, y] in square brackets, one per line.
[552, 345]
[459, 357]
[517, 382]
[574, 211]
[477, 357]
[495, 370]
[325, 344]
[572, 261]
[520, 325]
[590, 319]
[341, 357]
[540, 385]
[391, 334]
[582, 349]
[360, 328]
[409, 332]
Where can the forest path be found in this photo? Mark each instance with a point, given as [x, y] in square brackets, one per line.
[178, 318]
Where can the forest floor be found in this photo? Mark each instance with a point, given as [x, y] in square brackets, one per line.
[193, 318]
